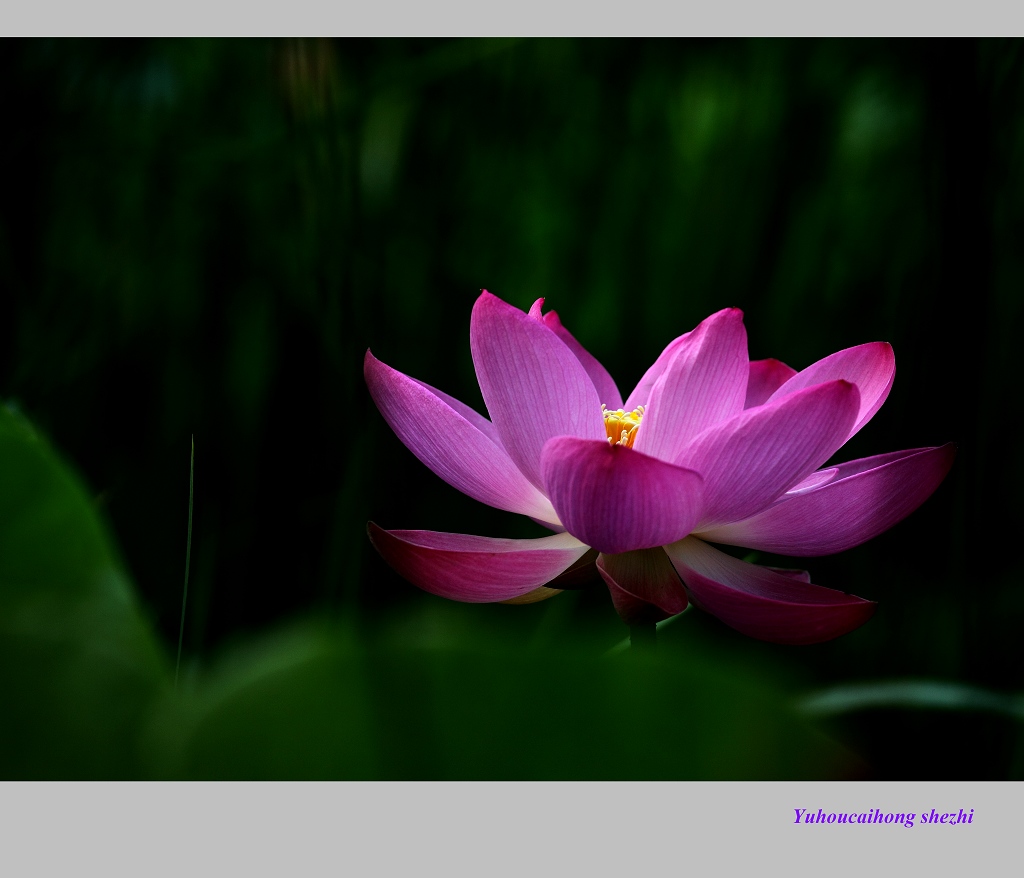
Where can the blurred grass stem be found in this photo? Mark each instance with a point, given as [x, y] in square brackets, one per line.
[188, 556]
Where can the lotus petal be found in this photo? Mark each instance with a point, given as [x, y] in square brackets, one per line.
[644, 586]
[871, 367]
[533, 385]
[603, 382]
[450, 444]
[615, 499]
[862, 501]
[475, 569]
[751, 459]
[766, 376]
[642, 392]
[468, 412]
[763, 603]
[705, 383]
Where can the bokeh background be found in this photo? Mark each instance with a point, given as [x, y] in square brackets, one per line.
[201, 238]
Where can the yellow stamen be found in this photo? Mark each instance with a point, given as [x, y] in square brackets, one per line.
[621, 425]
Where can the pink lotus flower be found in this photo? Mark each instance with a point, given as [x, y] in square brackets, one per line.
[708, 448]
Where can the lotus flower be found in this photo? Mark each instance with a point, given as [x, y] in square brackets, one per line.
[710, 447]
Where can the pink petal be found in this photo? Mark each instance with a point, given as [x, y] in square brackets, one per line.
[642, 392]
[766, 376]
[762, 603]
[870, 366]
[802, 575]
[615, 499]
[843, 470]
[863, 464]
[470, 414]
[450, 442]
[855, 507]
[752, 459]
[814, 480]
[644, 586]
[705, 383]
[533, 385]
[475, 569]
[604, 382]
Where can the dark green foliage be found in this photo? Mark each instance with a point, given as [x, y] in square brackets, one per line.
[78, 663]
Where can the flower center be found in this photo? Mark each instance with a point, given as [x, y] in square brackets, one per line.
[621, 425]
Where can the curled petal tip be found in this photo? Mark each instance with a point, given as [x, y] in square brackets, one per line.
[485, 296]
[370, 366]
[730, 313]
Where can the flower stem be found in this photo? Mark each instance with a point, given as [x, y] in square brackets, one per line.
[643, 636]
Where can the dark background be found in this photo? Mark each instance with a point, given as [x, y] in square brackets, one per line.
[202, 238]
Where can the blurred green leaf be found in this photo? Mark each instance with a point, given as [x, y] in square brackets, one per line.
[85, 688]
[317, 704]
[78, 663]
[912, 694]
